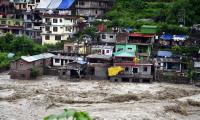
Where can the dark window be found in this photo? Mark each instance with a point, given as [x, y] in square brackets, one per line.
[47, 37]
[55, 21]
[3, 22]
[21, 64]
[135, 70]
[47, 20]
[47, 28]
[57, 37]
[119, 49]
[64, 73]
[57, 61]
[55, 29]
[103, 36]
[81, 3]
[107, 51]
[126, 69]
[129, 48]
[61, 20]
[111, 36]
[145, 69]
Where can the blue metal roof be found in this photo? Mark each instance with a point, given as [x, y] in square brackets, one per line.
[164, 54]
[166, 37]
[66, 4]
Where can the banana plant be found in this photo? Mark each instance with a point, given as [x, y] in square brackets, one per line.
[69, 114]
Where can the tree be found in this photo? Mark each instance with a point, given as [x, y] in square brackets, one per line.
[188, 9]
[5, 42]
[69, 114]
[4, 60]
[23, 45]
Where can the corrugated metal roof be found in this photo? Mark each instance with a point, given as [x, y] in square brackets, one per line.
[179, 37]
[197, 64]
[65, 57]
[66, 4]
[100, 56]
[124, 54]
[164, 54]
[37, 57]
[43, 4]
[54, 4]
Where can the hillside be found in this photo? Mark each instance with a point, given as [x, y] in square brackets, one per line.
[134, 13]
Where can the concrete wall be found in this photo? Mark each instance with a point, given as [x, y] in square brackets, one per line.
[108, 37]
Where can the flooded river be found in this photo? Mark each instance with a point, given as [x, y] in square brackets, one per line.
[103, 100]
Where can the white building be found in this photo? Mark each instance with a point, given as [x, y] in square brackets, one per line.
[57, 27]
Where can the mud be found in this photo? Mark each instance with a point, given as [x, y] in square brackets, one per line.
[103, 100]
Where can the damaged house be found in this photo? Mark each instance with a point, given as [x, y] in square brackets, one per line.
[73, 71]
[133, 70]
[98, 66]
[23, 67]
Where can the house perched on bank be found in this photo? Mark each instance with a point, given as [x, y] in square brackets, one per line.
[23, 68]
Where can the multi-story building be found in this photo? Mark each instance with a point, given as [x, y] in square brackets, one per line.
[10, 23]
[20, 4]
[57, 27]
[92, 8]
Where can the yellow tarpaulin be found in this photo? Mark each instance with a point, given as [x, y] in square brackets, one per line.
[113, 71]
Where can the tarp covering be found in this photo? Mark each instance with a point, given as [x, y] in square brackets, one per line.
[43, 4]
[66, 4]
[179, 37]
[54, 4]
[164, 54]
[113, 71]
[166, 37]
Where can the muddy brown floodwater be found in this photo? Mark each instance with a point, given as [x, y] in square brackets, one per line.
[103, 100]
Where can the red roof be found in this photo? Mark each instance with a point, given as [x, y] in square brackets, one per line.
[141, 35]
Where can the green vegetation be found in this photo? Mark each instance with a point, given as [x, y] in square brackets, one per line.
[164, 13]
[69, 114]
[19, 45]
[34, 73]
[4, 60]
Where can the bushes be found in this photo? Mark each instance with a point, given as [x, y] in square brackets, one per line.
[4, 60]
[34, 73]
[20, 45]
[69, 114]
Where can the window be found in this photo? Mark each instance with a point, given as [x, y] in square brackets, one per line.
[17, 23]
[57, 37]
[81, 3]
[103, 36]
[57, 61]
[111, 36]
[119, 49]
[145, 69]
[47, 37]
[126, 69]
[3, 22]
[60, 20]
[107, 51]
[47, 28]
[63, 73]
[47, 19]
[55, 21]
[21, 64]
[68, 29]
[135, 70]
[55, 29]
[129, 49]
